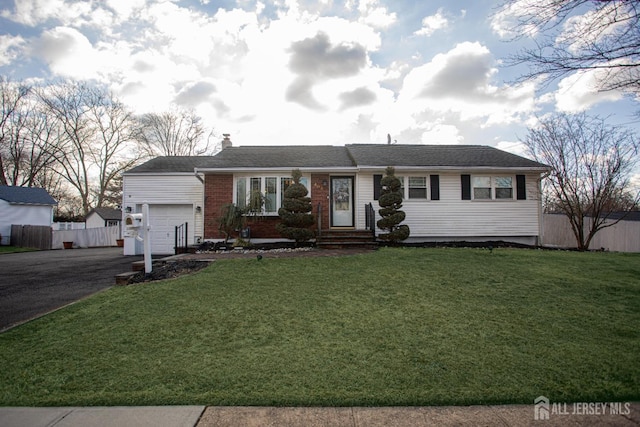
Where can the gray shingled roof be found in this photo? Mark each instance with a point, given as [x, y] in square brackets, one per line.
[108, 213]
[352, 155]
[172, 164]
[26, 195]
[463, 156]
[286, 156]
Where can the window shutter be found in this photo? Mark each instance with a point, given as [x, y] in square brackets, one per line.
[435, 187]
[521, 188]
[377, 186]
[465, 180]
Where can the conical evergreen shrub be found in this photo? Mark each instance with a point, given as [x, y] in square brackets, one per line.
[295, 212]
[390, 203]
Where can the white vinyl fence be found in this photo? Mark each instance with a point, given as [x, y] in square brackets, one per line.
[622, 237]
[89, 238]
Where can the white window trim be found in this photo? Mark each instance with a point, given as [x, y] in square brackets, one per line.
[405, 188]
[493, 188]
[263, 181]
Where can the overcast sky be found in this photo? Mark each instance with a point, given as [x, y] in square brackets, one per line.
[276, 72]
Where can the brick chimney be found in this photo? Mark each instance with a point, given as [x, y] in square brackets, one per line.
[226, 142]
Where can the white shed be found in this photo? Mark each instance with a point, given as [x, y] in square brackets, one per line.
[24, 206]
[103, 217]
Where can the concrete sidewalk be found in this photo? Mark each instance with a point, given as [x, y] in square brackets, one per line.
[201, 416]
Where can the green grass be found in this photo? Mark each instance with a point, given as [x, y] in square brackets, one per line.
[394, 327]
[14, 249]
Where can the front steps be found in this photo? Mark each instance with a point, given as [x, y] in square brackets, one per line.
[344, 239]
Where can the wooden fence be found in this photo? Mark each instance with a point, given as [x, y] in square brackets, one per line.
[621, 237]
[31, 236]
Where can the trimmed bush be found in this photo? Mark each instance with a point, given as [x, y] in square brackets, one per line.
[295, 212]
[390, 203]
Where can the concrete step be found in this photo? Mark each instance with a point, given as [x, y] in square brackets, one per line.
[338, 239]
[123, 278]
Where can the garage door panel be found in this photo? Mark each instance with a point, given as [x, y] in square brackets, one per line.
[163, 220]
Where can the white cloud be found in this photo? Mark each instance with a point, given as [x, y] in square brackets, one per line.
[580, 32]
[461, 81]
[579, 92]
[510, 20]
[433, 23]
[515, 147]
[289, 71]
[442, 134]
[10, 48]
[62, 12]
[68, 53]
[371, 13]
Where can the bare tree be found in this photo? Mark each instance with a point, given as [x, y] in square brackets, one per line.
[172, 133]
[578, 35]
[29, 140]
[12, 96]
[114, 137]
[591, 164]
[94, 130]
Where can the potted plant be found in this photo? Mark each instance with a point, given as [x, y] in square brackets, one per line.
[67, 245]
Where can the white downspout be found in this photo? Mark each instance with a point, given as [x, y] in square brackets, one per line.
[540, 209]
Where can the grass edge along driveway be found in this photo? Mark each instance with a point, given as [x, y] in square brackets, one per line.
[393, 327]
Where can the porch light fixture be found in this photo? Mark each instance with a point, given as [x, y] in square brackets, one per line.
[324, 183]
[127, 209]
[198, 209]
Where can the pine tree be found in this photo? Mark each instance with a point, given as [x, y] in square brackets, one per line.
[295, 212]
[390, 203]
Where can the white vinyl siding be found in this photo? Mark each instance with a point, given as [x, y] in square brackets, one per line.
[451, 217]
[168, 189]
[22, 215]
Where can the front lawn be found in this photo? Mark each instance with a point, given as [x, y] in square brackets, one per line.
[14, 249]
[394, 327]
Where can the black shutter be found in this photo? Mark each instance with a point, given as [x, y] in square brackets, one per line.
[377, 186]
[435, 187]
[466, 186]
[521, 188]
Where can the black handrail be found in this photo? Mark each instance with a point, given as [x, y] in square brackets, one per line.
[370, 218]
[319, 220]
[181, 238]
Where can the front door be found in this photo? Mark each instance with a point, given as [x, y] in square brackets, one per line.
[342, 201]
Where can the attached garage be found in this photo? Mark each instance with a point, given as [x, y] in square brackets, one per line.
[163, 220]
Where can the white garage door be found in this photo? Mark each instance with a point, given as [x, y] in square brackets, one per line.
[164, 219]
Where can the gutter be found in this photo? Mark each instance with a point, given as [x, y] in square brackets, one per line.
[197, 174]
[540, 210]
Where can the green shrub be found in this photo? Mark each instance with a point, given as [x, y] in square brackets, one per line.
[390, 203]
[295, 212]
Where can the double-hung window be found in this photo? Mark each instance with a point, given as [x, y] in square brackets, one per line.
[417, 187]
[270, 188]
[412, 187]
[504, 187]
[492, 188]
[482, 187]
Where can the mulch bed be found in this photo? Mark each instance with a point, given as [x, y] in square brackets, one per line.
[190, 263]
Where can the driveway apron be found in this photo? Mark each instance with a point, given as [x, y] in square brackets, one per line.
[35, 283]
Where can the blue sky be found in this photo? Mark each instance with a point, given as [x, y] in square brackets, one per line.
[299, 71]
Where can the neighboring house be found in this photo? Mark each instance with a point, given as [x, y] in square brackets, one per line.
[24, 206]
[452, 192]
[103, 217]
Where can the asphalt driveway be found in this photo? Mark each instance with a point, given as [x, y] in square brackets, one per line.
[35, 283]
